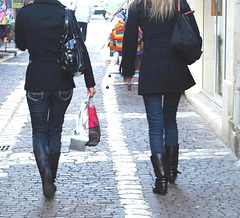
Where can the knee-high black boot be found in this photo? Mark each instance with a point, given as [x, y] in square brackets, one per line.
[159, 162]
[172, 156]
[43, 163]
[54, 158]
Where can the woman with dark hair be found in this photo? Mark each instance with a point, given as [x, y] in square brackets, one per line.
[163, 77]
[39, 28]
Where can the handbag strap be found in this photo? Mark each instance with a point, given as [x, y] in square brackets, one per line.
[179, 5]
[66, 23]
[71, 24]
[179, 9]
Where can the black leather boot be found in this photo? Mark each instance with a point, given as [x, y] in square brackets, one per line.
[172, 157]
[54, 158]
[43, 163]
[159, 162]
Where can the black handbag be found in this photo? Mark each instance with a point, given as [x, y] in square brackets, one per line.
[71, 52]
[184, 40]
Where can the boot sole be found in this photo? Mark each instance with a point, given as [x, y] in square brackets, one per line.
[159, 192]
[171, 181]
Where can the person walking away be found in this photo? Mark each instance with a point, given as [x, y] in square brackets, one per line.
[84, 9]
[163, 77]
[115, 42]
[39, 28]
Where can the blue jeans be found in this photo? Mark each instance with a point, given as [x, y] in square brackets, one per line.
[47, 110]
[161, 112]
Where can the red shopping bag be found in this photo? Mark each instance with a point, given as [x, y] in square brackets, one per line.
[94, 127]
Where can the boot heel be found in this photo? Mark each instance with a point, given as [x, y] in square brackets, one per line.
[48, 187]
[160, 187]
[172, 157]
[173, 175]
[159, 162]
[42, 158]
[54, 158]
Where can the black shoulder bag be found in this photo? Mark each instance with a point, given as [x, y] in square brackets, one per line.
[184, 40]
[71, 52]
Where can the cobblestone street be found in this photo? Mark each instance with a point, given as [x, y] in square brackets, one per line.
[115, 178]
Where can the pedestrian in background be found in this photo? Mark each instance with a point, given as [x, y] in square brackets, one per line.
[163, 77]
[84, 9]
[39, 28]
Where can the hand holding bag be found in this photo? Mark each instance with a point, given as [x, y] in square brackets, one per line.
[184, 40]
[93, 123]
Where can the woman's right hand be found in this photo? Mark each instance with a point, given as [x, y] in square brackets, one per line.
[91, 91]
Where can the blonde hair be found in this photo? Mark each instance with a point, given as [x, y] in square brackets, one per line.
[159, 10]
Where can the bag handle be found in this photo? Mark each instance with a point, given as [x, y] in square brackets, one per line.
[179, 5]
[70, 24]
[179, 9]
[66, 20]
[66, 23]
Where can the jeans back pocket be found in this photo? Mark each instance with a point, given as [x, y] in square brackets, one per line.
[65, 95]
[35, 96]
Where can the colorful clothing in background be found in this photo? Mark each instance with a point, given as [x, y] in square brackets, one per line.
[115, 40]
[7, 15]
[140, 42]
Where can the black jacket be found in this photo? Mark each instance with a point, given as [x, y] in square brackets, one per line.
[161, 70]
[39, 28]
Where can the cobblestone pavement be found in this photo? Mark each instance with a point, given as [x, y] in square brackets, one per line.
[115, 178]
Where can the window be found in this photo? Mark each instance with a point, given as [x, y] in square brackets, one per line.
[214, 48]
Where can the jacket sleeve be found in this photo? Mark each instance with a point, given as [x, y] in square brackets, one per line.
[20, 39]
[192, 21]
[88, 72]
[130, 42]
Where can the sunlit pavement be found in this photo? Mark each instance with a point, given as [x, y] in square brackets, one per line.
[115, 178]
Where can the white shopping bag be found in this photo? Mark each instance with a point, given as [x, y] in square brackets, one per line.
[80, 135]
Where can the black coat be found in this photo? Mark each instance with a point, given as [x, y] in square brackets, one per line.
[39, 28]
[161, 70]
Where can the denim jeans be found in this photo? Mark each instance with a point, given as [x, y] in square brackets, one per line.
[47, 110]
[161, 112]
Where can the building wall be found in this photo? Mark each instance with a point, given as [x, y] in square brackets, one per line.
[224, 118]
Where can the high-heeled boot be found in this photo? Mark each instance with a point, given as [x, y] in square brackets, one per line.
[54, 158]
[159, 162]
[43, 163]
[172, 157]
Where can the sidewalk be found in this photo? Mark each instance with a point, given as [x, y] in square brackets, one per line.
[7, 49]
[115, 178]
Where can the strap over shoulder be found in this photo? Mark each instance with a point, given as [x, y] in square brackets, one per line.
[182, 7]
[66, 23]
[70, 22]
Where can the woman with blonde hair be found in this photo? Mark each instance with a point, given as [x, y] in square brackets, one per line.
[163, 77]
